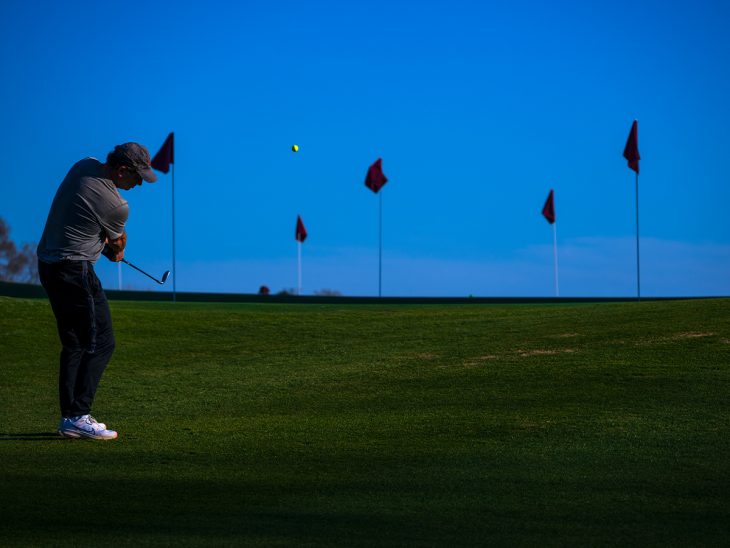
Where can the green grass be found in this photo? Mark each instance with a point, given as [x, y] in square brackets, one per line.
[306, 425]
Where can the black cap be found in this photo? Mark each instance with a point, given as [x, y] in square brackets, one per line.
[135, 156]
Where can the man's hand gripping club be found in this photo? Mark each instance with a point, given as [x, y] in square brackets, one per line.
[114, 249]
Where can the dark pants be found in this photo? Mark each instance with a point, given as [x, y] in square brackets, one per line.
[85, 328]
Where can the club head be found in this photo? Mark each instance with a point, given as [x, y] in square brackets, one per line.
[165, 276]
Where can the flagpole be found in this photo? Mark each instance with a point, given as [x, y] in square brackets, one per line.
[555, 255]
[631, 153]
[119, 275]
[380, 246]
[299, 267]
[638, 267]
[374, 180]
[174, 270]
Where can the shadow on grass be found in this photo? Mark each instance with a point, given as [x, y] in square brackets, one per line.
[147, 502]
[202, 512]
[29, 436]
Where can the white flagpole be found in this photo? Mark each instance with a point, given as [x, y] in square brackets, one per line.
[380, 246]
[299, 267]
[555, 254]
[174, 271]
[119, 275]
[638, 267]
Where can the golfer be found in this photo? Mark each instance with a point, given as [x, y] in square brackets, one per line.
[86, 219]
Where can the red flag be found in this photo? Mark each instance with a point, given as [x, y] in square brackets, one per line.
[301, 232]
[631, 151]
[548, 210]
[165, 156]
[375, 179]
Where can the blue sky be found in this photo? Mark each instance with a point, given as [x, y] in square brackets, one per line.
[478, 109]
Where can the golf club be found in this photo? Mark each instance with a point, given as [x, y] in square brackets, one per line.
[165, 275]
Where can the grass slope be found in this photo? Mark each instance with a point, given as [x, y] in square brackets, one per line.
[279, 425]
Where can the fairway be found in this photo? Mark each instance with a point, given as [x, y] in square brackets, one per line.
[367, 425]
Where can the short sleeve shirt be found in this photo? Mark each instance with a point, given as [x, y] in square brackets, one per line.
[86, 210]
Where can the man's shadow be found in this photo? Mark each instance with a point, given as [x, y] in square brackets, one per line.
[30, 436]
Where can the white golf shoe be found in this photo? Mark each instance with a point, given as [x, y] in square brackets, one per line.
[85, 426]
[66, 420]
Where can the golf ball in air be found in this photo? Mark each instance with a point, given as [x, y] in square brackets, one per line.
[294, 148]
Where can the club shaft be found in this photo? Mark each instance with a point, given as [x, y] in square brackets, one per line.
[125, 261]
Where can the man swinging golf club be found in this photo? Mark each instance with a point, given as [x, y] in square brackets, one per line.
[86, 219]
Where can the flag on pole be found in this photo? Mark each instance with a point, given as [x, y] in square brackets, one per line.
[548, 210]
[631, 150]
[166, 155]
[631, 153]
[375, 178]
[161, 162]
[301, 232]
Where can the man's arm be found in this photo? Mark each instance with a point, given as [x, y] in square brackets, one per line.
[114, 249]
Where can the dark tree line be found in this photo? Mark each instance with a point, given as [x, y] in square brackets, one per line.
[16, 264]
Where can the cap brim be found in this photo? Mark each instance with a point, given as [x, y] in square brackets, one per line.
[148, 175]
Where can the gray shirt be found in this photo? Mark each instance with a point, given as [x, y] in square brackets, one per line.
[86, 211]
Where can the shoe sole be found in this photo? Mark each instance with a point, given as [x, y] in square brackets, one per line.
[75, 434]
